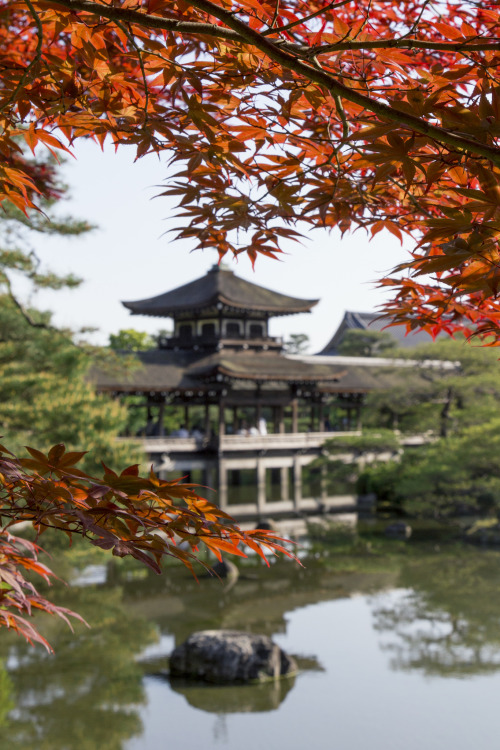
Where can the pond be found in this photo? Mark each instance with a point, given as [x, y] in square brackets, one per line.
[396, 650]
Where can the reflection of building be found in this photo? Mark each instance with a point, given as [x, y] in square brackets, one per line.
[253, 419]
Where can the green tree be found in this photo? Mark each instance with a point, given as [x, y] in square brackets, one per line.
[451, 476]
[429, 398]
[298, 343]
[446, 621]
[18, 232]
[128, 339]
[361, 343]
[99, 672]
[45, 397]
[344, 458]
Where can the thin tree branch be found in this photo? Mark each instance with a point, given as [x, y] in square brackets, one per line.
[332, 6]
[35, 324]
[211, 29]
[149, 21]
[243, 33]
[338, 107]
[132, 41]
[403, 43]
[418, 19]
[327, 81]
[276, 12]
[38, 54]
[365, 21]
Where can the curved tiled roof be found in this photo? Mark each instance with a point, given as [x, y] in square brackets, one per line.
[220, 285]
[368, 321]
[164, 370]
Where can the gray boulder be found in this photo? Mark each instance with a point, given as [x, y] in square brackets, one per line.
[226, 569]
[224, 656]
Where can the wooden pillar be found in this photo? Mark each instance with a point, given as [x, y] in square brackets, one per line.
[207, 421]
[347, 425]
[285, 490]
[323, 487]
[161, 414]
[281, 420]
[358, 418]
[222, 424]
[276, 420]
[222, 495]
[295, 415]
[321, 416]
[261, 486]
[186, 417]
[297, 483]
[208, 476]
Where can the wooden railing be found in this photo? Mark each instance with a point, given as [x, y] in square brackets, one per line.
[237, 443]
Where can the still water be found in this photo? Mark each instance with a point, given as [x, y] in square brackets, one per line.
[398, 650]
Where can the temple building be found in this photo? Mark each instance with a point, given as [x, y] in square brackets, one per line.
[370, 321]
[250, 419]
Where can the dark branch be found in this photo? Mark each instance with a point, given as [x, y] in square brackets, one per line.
[241, 32]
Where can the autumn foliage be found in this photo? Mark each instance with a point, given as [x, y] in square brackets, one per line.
[279, 116]
[144, 517]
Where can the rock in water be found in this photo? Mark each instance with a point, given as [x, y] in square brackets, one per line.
[398, 530]
[226, 569]
[221, 656]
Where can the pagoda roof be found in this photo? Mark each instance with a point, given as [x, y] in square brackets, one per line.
[166, 370]
[220, 286]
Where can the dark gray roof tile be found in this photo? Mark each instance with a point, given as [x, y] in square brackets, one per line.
[220, 285]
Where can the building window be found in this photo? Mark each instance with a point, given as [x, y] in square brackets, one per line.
[256, 330]
[233, 330]
[208, 329]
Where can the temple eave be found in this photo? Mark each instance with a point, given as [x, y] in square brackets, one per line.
[231, 305]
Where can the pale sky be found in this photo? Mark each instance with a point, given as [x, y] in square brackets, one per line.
[129, 257]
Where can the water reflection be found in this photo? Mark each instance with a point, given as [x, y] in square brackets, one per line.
[436, 614]
[84, 696]
[259, 603]
[447, 622]
[217, 699]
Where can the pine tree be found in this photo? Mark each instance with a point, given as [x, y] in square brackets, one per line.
[45, 397]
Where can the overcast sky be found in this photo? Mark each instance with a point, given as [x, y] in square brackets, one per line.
[129, 257]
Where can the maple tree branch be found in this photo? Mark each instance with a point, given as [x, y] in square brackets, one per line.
[384, 111]
[334, 4]
[240, 31]
[114, 13]
[276, 12]
[365, 21]
[403, 43]
[38, 54]
[415, 24]
[147, 20]
[338, 107]
[132, 41]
